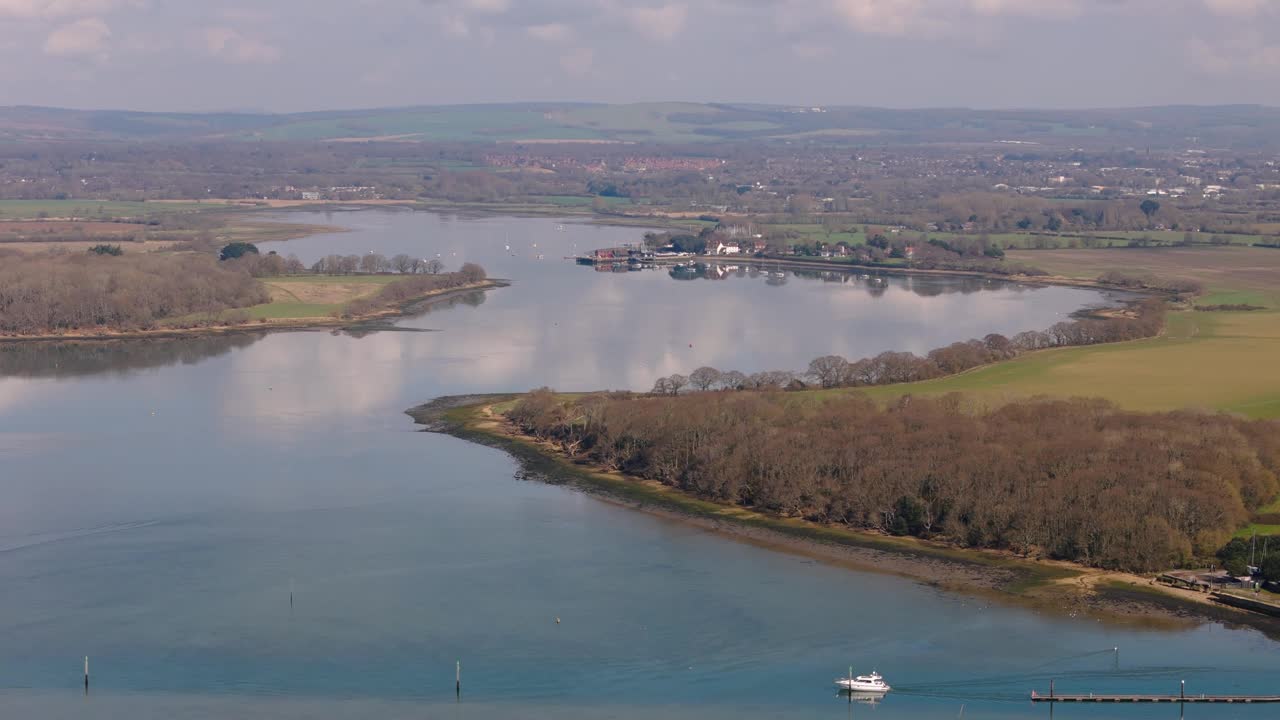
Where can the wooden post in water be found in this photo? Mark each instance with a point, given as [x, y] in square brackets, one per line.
[86, 674]
[457, 687]
[1182, 693]
[290, 593]
[1051, 688]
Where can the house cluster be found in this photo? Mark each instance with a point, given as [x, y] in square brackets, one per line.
[343, 192]
[721, 246]
[630, 163]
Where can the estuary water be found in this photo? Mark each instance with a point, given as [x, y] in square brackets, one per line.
[250, 527]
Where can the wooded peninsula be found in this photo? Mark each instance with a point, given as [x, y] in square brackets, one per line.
[110, 292]
[1077, 480]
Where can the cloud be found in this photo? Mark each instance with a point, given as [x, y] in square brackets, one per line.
[1239, 8]
[809, 51]
[229, 45]
[1248, 52]
[82, 38]
[550, 32]
[1025, 8]
[579, 62]
[883, 17]
[659, 23]
[487, 7]
[949, 17]
[54, 9]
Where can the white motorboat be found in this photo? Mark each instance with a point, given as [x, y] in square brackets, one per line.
[873, 683]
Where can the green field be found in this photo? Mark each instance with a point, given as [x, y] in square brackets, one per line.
[640, 122]
[1252, 529]
[315, 296]
[1218, 361]
[445, 124]
[813, 232]
[1230, 274]
[306, 297]
[95, 209]
[578, 200]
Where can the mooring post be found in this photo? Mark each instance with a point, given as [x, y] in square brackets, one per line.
[290, 593]
[457, 687]
[86, 674]
[1051, 689]
[1182, 693]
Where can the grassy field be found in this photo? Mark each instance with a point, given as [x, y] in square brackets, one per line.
[94, 209]
[1219, 361]
[1212, 360]
[1258, 529]
[1230, 274]
[639, 122]
[433, 124]
[813, 232]
[579, 200]
[315, 296]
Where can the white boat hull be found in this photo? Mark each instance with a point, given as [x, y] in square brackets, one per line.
[861, 687]
[870, 684]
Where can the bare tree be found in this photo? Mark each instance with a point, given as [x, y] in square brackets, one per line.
[402, 263]
[676, 383]
[704, 378]
[733, 380]
[828, 370]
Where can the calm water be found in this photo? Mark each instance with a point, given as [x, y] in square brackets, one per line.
[157, 499]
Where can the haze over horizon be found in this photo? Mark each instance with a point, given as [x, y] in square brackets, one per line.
[154, 55]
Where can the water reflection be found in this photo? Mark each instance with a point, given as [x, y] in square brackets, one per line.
[874, 284]
[121, 357]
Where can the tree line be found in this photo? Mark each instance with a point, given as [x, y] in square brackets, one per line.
[42, 294]
[1077, 479]
[246, 256]
[401, 291]
[1143, 319]
[372, 263]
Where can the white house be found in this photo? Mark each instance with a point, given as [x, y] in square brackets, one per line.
[719, 247]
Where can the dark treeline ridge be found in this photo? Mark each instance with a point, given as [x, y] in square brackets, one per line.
[1075, 479]
[1143, 319]
[412, 286]
[1237, 307]
[56, 293]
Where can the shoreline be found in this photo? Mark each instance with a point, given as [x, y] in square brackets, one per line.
[293, 324]
[1044, 585]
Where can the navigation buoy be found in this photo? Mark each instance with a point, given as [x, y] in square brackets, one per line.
[557, 621]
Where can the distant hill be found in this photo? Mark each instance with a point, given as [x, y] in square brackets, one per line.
[671, 123]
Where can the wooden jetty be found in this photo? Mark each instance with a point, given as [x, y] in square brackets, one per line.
[1126, 698]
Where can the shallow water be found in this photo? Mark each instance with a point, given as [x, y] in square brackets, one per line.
[157, 501]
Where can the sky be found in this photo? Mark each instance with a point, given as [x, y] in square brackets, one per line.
[293, 55]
